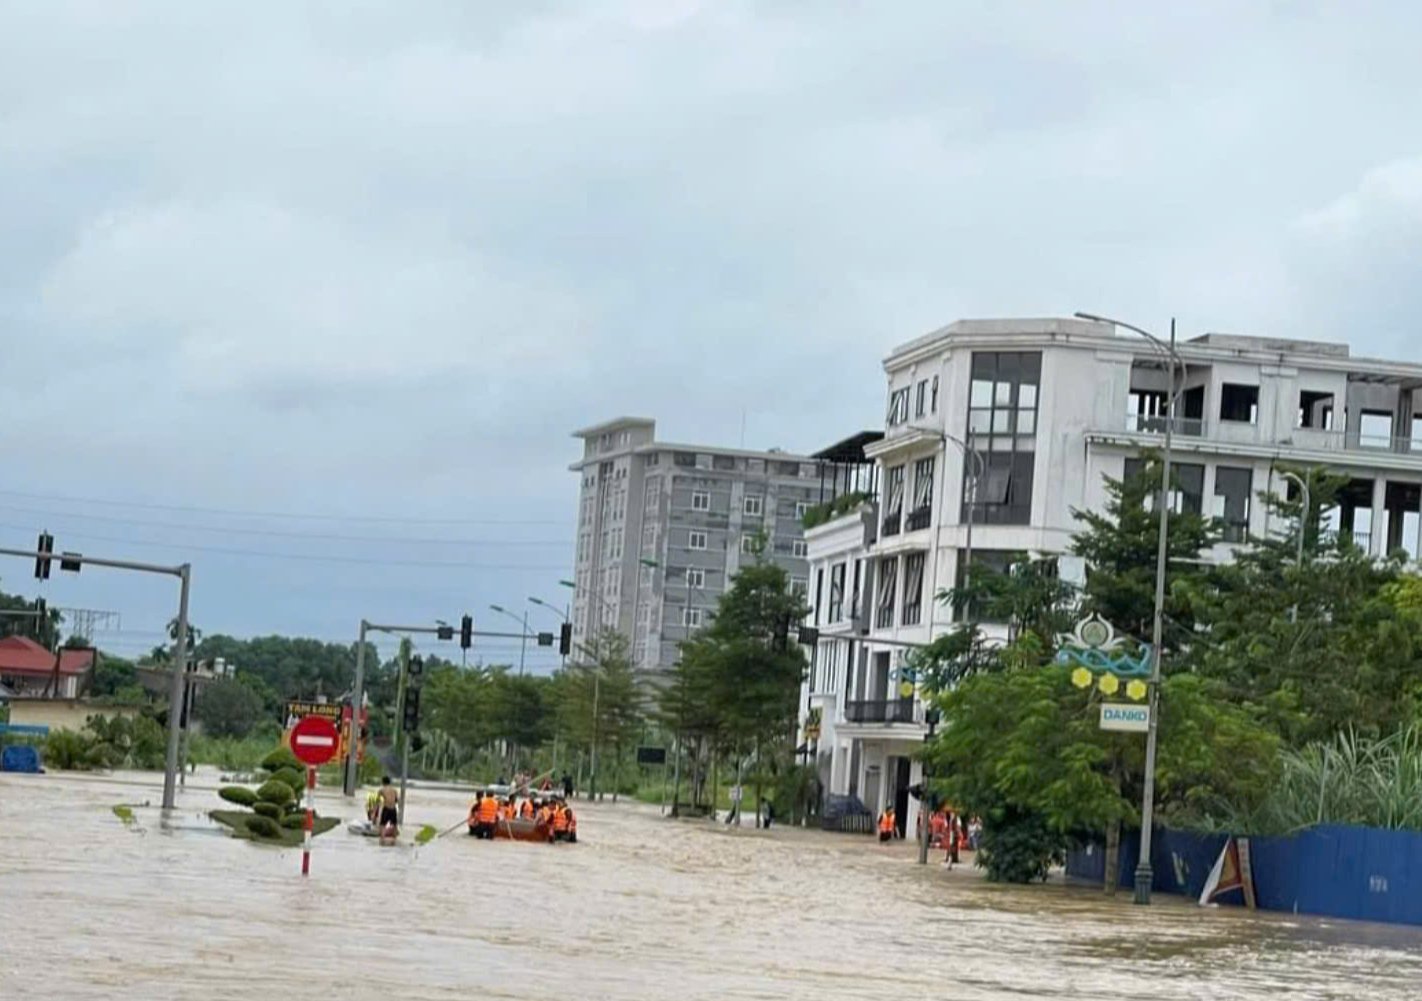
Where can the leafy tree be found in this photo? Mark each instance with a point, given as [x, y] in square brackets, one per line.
[112, 675]
[599, 705]
[1023, 750]
[739, 678]
[229, 708]
[1120, 546]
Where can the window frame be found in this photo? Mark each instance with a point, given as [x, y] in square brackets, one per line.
[701, 495]
[700, 575]
[753, 499]
[691, 537]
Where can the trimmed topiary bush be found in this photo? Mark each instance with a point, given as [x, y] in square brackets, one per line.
[240, 795]
[263, 827]
[277, 815]
[272, 791]
[290, 777]
[279, 759]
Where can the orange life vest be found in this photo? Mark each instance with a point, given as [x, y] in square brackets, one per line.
[508, 811]
[560, 818]
[526, 811]
[886, 822]
[488, 810]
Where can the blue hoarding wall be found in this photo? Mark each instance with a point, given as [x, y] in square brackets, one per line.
[1336, 871]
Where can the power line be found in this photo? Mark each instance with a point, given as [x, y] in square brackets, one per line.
[233, 530]
[236, 512]
[310, 557]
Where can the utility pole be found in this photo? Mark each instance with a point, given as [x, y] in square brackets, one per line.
[357, 703]
[44, 554]
[402, 739]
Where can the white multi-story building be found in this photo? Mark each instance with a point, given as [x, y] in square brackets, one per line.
[1051, 408]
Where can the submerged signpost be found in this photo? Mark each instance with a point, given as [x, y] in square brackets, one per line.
[314, 741]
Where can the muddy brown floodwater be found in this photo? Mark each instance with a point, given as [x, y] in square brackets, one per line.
[643, 909]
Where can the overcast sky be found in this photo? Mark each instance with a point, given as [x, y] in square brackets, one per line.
[375, 261]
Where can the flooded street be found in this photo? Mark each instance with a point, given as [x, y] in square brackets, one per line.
[644, 909]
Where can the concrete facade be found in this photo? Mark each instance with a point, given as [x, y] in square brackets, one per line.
[695, 513]
[1054, 407]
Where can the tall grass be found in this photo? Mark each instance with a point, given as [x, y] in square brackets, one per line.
[1371, 782]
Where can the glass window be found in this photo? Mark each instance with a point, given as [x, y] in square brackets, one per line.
[923, 482]
[920, 398]
[836, 595]
[696, 540]
[754, 506]
[1188, 494]
[700, 501]
[898, 406]
[895, 493]
[799, 549]
[1232, 501]
[695, 577]
[933, 396]
[1002, 426]
[888, 581]
[691, 618]
[750, 544]
[913, 589]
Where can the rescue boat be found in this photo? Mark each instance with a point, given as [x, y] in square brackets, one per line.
[518, 828]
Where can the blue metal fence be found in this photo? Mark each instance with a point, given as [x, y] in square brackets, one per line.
[1334, 870]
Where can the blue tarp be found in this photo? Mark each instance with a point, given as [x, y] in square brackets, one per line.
[19, 759]
[1333, 870]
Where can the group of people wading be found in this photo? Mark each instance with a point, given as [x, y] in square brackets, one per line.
[536, 817]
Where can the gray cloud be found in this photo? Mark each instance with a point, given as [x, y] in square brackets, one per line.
[375, 258]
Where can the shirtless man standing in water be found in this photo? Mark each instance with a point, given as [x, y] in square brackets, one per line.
[389, 810]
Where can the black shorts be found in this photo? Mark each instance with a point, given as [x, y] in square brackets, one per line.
[389, 815]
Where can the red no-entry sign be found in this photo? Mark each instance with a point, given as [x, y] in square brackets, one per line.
[314, 740]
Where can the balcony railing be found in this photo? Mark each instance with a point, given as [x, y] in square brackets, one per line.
[879, 711]
[884, 617]
[1243, 432]
[891, 523]
[1192, 427]
[918, 519]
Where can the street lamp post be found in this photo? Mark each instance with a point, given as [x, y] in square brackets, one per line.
[1144, 872]
[523, 640]
[1303, 527]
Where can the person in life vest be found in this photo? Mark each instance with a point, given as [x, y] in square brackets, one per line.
[560, 822]
[372, 808]
[526, 809]
[508, 811]
[485, 816]
[886, 824]
[572, 826]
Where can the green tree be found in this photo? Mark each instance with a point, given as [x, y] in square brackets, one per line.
[745, 669]
[599, 704]
[1120, 545]
[229, 708]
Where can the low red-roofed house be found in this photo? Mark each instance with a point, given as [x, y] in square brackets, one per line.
[28, 669]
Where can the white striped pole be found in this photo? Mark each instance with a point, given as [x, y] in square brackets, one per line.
[310, 821]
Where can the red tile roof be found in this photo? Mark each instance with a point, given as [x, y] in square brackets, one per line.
[22, 655]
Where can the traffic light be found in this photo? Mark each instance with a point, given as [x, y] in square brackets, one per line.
[44, 545]
[545, 639]
[466, 632]
[809, 636]
[415, 675]
[565, 639]
[412, 710]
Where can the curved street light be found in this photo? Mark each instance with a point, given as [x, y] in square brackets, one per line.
[1144, 873]
[523, 641]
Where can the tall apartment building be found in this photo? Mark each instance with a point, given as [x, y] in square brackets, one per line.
[1053, 407]
[662, 528]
